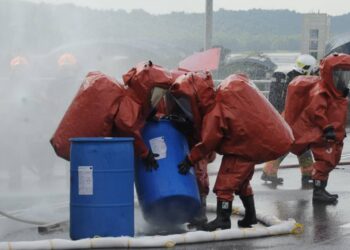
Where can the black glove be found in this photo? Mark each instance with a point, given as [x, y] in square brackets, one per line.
[184, 166]
[152, 116]
[329, 133]
[150, 161]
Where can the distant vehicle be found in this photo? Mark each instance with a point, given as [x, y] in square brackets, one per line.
[256, 66]
[340, 44]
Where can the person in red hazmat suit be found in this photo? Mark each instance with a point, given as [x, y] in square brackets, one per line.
[316, 109]
[232, 127]
[104, 108]
[304, 65]
[190, 125]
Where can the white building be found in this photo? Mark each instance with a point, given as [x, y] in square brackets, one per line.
[316, 31]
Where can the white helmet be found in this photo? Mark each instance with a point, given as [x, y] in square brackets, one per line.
[305, 64]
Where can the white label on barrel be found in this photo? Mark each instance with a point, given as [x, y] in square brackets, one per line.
[158, 146]
[85, 180]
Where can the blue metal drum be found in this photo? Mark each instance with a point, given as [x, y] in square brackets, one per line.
[102, 189]
[165, 196]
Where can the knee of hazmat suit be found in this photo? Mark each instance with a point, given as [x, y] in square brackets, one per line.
[314, 103]
[91, 112]
[243, 123]
[146, 84]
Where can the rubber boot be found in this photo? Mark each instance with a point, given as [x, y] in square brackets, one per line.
[250, 214]
[201, 219]
[334, 195]
[223, 217]
[273, 178]
[306, 182]
[320, 194]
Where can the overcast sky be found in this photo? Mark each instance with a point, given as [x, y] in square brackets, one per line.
[332, 7]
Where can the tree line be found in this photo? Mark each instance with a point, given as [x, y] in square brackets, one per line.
[39, 28]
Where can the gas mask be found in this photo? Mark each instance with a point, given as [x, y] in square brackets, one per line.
[341, 80]
[185, 106]
[157, 95]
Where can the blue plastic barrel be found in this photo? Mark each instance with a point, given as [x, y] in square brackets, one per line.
[102, 189]
[165, 196]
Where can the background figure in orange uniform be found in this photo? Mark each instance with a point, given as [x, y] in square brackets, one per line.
[318, 119]
[304, 65]
[229, 126]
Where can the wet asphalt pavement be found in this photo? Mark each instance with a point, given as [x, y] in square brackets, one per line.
[325, 226]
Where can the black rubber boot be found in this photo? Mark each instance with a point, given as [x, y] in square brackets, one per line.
[250, 214]
[223, 217]
[201, 219]
[274, 179]
[334, 195]
[306, 182]
[320, 194]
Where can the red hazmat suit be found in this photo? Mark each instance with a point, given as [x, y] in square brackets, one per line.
[313, 105]
[142, 80]
[103, 107]
[146, 85]
[91, 113]
[197, 89]
[239, 126]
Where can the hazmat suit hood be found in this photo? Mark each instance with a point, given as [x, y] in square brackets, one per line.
[147, 83]
[195, 94]
[226, 85]
[175, 73]
[327, 66]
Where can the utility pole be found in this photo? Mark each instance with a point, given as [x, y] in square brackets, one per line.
[208, 24]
